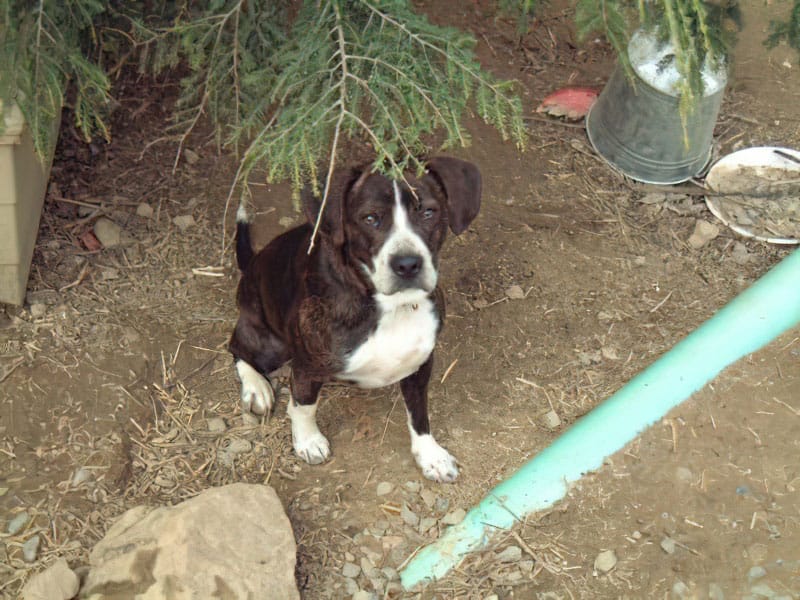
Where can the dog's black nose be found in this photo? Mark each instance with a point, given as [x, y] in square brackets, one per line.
[407, 266]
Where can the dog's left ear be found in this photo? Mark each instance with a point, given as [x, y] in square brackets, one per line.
[461, 182]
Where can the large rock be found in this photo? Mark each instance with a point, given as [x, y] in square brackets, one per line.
[229, 542]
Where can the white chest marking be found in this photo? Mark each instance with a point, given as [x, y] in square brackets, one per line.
[402, 342]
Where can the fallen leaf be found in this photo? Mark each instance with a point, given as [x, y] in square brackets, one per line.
[90, 241]
[570, 102]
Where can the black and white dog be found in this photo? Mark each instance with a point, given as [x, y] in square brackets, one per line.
[363, 307]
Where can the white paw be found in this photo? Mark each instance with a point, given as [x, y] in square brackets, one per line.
[314, 448]
[307, 440]
[257, 395]
[437, 464]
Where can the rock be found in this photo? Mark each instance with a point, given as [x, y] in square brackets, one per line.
[81, 475]
[286, 222]
[739, 254]
[605, 561]
[368, 568]
[57, 582]
[653, 198]
[426, 524]
[184, 222]
[38, 310]
[108, 233]
[454, 517]
[144, 210]
[16, 524]
[351, 587]
[510, 554]
[409, 517]
[390, 573]
[756, 572]
[668, 545]
[428, 497]
[715, 592]
[233, 541]
[526, 566]
[413, 486]
[216, 424]
[441, 504]
[680, 590]
[684, 474]
[30, 549]
[191, 156]
[384, 487]
[350, 570]
[515, 292]
[364, 595]
[551, 420]
[762, 590]
[703, 233]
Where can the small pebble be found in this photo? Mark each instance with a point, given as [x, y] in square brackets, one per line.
[108, 233]
[526, 566]
[510, 554]
[286, 222]
[668, 545]
[38, 310]
[384, 487]
[191, 156]
[441, 504]
[16, 524]
[551, 420]
[762, 589]
[368, 568]
[454, 517]
[82, 475]
[680, 590]
[428, 497]
[756, 572]
[491, 597]
[605, 561]
[30, 549]
[413, 486]
[515, 292]
[426, 524]
[216, 424]
[715, 592]
[703, 233]
[351, 570]
[57, 582]
[637, 535]
[350, 586]
[144, 210]
[184, 222]
[390, 573]
[364, 595]
[409, 517]
[684, 474]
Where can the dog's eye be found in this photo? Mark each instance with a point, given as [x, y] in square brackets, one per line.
[372, 220]
[428, 213]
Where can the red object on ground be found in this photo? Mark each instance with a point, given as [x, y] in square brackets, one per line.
[569, 102]
[90, 242]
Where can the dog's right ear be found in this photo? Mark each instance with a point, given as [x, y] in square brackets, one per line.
[332, 223]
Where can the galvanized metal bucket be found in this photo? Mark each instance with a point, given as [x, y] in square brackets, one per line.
[637, 128]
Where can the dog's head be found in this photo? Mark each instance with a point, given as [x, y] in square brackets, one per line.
[390, 231]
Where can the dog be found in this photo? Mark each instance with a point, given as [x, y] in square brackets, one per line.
[363, 306]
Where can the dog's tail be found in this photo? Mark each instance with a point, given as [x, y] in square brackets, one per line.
[244, 246]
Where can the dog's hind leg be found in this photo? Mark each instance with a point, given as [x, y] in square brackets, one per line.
[307, 439]
[436, 463]
[257, 353]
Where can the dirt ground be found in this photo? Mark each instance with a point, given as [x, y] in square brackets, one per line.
[116, 388]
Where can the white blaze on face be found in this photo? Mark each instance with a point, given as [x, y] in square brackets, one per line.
[402, 241]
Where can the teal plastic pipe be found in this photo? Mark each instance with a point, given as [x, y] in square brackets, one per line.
[751, 320]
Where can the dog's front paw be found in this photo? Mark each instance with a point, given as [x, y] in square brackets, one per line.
[313, 448]
[437, 464]
[257, 395]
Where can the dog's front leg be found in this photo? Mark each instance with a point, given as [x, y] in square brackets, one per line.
[436, 462]
[307, 440]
